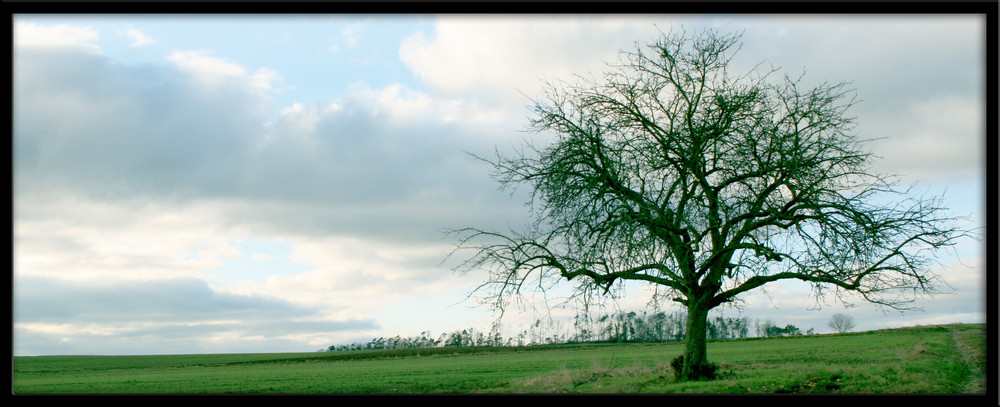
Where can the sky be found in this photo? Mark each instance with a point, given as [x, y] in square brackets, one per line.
[281, 183]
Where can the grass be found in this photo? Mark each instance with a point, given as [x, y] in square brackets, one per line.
[929, 360]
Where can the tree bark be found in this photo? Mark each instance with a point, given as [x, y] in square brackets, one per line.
[695, 349]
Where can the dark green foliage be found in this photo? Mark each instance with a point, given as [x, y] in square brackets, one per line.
[788, 330]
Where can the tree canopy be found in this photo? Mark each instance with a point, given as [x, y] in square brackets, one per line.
[671, 170]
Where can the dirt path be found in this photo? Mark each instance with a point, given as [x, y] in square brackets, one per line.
[973, 355]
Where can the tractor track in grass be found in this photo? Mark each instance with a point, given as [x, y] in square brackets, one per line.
[973, 356]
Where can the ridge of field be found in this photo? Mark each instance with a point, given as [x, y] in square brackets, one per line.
[943, 359]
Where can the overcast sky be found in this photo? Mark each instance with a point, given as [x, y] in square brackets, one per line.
[254, 183]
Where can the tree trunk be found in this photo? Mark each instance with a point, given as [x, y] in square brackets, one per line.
[695, 354]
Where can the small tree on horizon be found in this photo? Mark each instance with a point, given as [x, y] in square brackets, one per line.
[673, 171]
[841, 323]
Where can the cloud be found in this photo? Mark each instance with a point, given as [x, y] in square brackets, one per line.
[940, 139]
[120, 268]
[160, 316]
[177, 300]
[261, 257]
[201, 128]
[201, 65]
[377, 162]
[919, 78]
[365, 274]
[212, 71]
[66, 237]
[146, 175]
[919, 81]
[105, 129]
[349, 37]
[56, 37]
[509, 55]
[139, 39]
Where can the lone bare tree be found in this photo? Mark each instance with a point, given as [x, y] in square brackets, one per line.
[673, 171]
[841, 323]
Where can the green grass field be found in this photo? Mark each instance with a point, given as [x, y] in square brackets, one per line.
[943, 359]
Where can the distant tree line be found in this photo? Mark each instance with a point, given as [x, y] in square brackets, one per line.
[769, 330]
[620, 327]
[465, 337]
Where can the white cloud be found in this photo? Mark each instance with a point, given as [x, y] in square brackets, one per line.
[214, 72]
[505, 55]
[348, 37]
[82, 239]
[302, 120]
[360, 275]
[264, 79]
[127, 131]
[398, 104]
[933, 116]
[161, 183]
[260, 257]
[31, 35]
[139, 39]
[196, 62]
